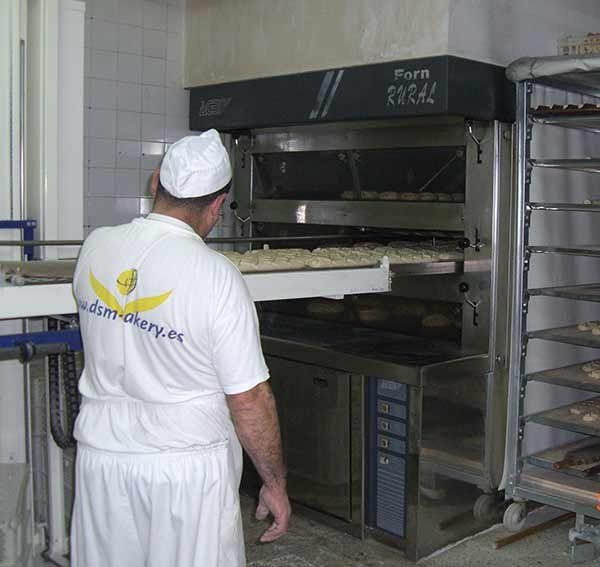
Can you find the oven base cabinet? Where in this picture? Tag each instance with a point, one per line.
(361, 456)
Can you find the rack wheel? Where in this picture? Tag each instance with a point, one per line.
(515, 516)
(486, 508)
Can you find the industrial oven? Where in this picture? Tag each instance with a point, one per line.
(392, 406)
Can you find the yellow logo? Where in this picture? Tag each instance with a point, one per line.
(126, 283)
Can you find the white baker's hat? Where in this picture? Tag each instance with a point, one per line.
(196, 166)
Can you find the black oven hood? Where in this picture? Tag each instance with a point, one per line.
(443, 85)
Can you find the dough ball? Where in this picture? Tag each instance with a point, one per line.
(595, 374)
(369, 195)
(388, 196)
(590, 417)
(427, 197)
(575, 411)
(596, 331)
(409, 196)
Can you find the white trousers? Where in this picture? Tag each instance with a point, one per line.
(156, 510)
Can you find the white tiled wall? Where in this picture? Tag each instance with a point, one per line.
(135, 104)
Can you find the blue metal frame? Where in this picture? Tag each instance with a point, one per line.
(70, 337)
(27, 226)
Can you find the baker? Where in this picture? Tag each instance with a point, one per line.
(174, 381)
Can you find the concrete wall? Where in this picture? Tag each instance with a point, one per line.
(229, 40)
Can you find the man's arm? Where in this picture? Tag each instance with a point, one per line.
(254, 415)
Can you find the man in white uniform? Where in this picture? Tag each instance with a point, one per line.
(174, 376)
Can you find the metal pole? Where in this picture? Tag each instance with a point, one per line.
(519, 279)
(226, 240)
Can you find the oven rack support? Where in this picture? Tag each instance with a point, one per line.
(527, 477)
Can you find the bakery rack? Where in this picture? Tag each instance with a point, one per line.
(537, 477)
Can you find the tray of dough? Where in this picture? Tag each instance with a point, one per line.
(584, 376)
(579, 458)
(580, 417)
(44, 299)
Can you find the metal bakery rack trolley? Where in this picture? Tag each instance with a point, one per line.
(563, 476)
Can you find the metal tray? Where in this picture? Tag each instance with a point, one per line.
(569, 376)
(589, 165)
(562, 418)
(547, 458)
(587, 292)
(568, 335)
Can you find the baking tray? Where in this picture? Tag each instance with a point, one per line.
(569, 376)
(547, 458)
(562, 418)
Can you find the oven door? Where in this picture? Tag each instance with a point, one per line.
(314, 406)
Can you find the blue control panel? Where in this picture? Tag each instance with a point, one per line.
(388, 416)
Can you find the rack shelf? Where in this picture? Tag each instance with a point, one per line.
(589, 165)
(564, 207)
(592, 251)
(570, 376)
(564, 418)
(569, 335)
(588, 120)
(588, 292)
(561, 490)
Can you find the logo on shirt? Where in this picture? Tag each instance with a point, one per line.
(108, 306)
(126, 283)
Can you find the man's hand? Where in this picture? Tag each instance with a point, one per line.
(255, 418)
(274, 500)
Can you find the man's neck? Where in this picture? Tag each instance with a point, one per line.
(195, 221)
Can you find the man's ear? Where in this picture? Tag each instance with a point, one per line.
(217, 204)
(154, 182)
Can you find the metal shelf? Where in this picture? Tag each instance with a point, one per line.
(563, 418)
(587, 292)
(589, 165)
(570, 376)
(564, 207)
(409, 215)
(546, 459)
(592, 251)
(568, 335)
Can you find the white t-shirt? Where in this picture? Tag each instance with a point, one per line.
(168, 328)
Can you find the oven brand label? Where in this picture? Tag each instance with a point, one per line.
(213, 106)
(411, 87)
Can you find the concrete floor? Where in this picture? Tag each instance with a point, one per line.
(309, 544)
